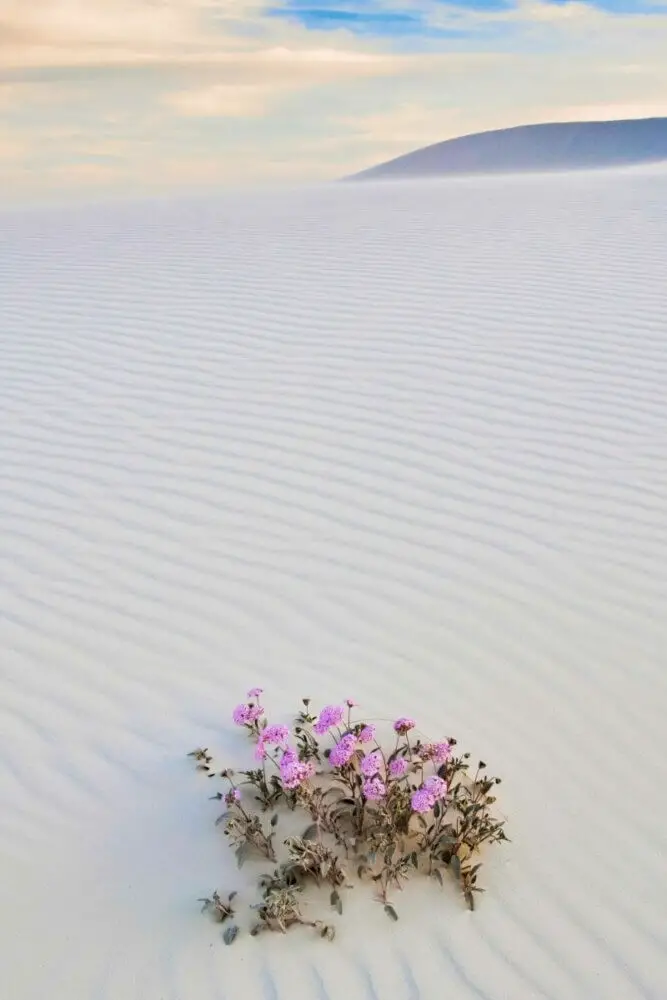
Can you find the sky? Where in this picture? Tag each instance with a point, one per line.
(136, 96)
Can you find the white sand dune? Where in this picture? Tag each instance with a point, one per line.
(404, 443)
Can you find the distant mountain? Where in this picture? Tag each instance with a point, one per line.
(552, 146)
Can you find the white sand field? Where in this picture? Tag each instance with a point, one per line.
(406, 444)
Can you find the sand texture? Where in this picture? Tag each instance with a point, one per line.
(404, 443)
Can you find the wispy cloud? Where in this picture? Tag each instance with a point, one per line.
(127, 94)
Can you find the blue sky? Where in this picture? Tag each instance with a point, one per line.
(131, 96)
(368, 17)
(400, 22)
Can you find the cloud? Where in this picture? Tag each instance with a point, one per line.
(282, 71)
(23, 95)
(116, 92)
(52, 33)
(414, 125)
(221, 100)
(11, 148)
(71, 32)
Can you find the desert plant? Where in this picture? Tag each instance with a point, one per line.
(388, 813)
(220, 912)
(280, 907)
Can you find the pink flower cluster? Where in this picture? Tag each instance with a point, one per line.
(374, 789)
(331, 715)
(425, 797)
(246, 714)
(404, 725)
(371, 764)
(293, 772)
(437, 752)
(343, 751)
(271, 736)
(398, 767)
(276, 735)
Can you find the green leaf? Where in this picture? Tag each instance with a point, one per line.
(336, 902)
(470, 899)
(241, 853)
(230, 934)
(437, 874)
(455, 865)
(390, 911)
(274, 819)
(310, 832)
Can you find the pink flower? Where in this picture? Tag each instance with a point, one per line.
(244, 715)
(371, 764)
(437, 752)
(272, 735)
(433, 789)
(404, 725)
(343, 751)
(278, 735)
(374, 789)
(255, 692)
(367, 734)
(398, 767)
(291, 778)
(422, 801)
(350, 703)
(294, 772)
(241, 715)
(331, 715)
(232, 796)
(436, 787)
